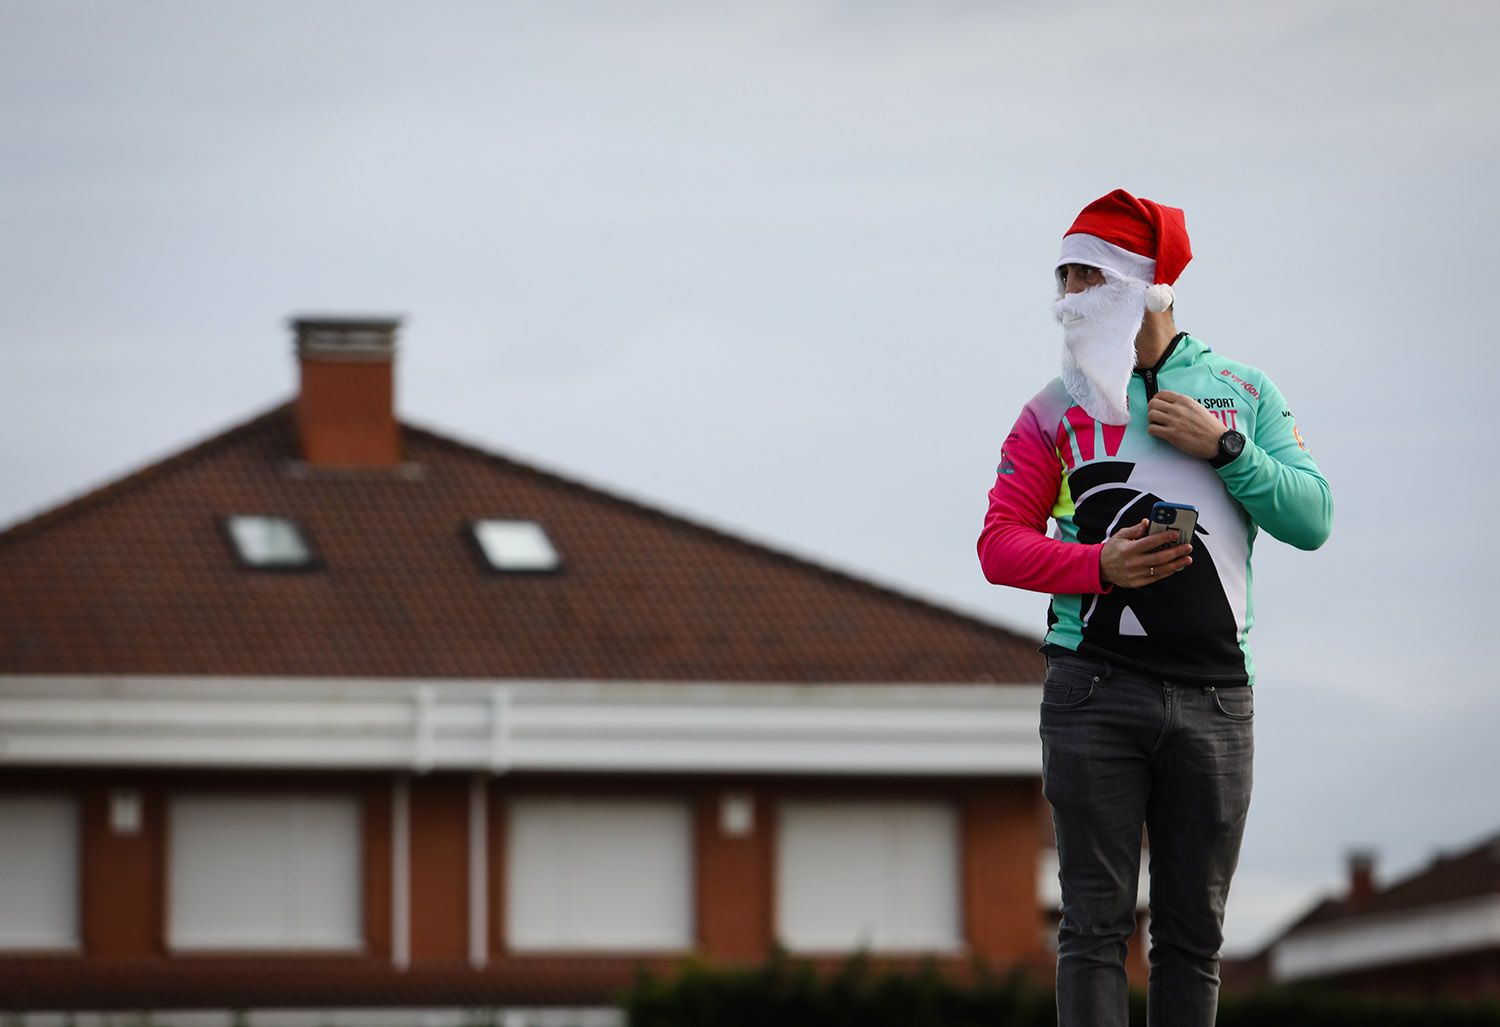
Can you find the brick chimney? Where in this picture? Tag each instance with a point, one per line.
(346, 413)
(1361, 876)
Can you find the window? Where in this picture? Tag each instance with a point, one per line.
(879, 874)
(599, 874)
(268, 543)
(515, 546)
(264, 872)
(38, 872)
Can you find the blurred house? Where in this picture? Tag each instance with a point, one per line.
(1432, 934)
(332, 711)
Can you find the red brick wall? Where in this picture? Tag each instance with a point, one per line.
(345, 413)
(376, 820)
(122, 894)
(439, 868)
(733, 891)
(999, 869)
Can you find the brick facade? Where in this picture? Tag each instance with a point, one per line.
(122, 887)
(439, 839)
(734, 890)
(125, 959)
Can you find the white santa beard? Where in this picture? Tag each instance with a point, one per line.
(1099, 329)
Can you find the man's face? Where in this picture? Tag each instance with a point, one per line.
(1100, 313)
(1078, 277)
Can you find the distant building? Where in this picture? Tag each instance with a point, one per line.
(1435, 933)
(332, 711)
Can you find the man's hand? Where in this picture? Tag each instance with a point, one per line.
(1131, 559)
(1183, 421)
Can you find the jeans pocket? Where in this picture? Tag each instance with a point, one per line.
(1070, 682)
(1235, 703)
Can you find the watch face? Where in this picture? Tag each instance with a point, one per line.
(1231, 442)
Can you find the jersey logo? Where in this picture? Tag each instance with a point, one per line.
(1006, 465)
(1246, 385)
(1087, 434)
(1126, 620)
(1297, 434)
(1222, 408)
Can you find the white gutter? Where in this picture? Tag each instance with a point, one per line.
(497, 726)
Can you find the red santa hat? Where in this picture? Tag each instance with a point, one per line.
(1133, 237)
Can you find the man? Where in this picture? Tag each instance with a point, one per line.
(1147, 706)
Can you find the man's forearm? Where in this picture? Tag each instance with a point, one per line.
(1292, 503)
(1020, 556)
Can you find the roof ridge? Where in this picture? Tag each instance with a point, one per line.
(1336, 908)
(129, 481)
(1443, 859)
(764, 549)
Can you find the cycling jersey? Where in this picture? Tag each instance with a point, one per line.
(1093, 479)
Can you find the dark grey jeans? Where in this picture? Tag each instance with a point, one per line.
(1122, 750)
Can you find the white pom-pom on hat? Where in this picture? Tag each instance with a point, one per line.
(1158, 297)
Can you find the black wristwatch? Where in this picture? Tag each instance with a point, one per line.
(1231, 445)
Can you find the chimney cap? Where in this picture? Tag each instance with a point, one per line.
(331, 335)
(346, 321)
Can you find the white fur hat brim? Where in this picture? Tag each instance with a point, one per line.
(1082, 248)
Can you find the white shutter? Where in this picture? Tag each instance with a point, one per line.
(264, 872)
(38, 872)
(882, 875)
(599, 874)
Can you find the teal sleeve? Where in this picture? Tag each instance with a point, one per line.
(1276, 480)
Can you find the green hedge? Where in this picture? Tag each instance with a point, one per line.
(787, 993)
(784, 992)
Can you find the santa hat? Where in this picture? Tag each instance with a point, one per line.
(1132, 237)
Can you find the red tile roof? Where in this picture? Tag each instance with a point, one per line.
(1470, 874)
(138, 577)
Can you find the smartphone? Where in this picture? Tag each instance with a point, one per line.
(1174, 517)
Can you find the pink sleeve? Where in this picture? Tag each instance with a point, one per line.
(1013, 547)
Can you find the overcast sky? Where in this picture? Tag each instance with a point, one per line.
(786, 268)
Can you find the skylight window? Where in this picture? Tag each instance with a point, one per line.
(516, 546)
(268, 543)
